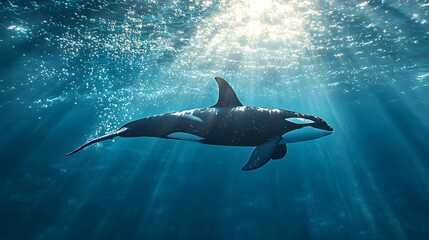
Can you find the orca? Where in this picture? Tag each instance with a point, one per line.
(229, 123)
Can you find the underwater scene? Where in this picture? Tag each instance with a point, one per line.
(74, 70)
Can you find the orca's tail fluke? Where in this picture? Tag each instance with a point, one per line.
(110, 135)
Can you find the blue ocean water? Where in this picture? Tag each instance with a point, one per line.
(73, 70)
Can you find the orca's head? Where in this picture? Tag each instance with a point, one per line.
(306, 127)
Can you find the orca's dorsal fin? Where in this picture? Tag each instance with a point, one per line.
(227, 96)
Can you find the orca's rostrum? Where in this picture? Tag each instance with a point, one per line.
(229, 123)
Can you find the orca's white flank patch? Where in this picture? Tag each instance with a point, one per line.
(304, 134)
(299, 120)
(185, 136)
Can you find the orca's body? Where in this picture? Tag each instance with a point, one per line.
(229, 123)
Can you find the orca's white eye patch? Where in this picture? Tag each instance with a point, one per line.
(299, 120)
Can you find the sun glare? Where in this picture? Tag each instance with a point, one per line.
(251, 34)
(260, 5)
(265, 20)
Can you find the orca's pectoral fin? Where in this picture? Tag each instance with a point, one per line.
(262, 154)
(280, 152)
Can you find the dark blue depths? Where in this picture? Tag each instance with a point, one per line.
(71, 70)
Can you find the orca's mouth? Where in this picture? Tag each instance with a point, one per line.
(326, 128)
